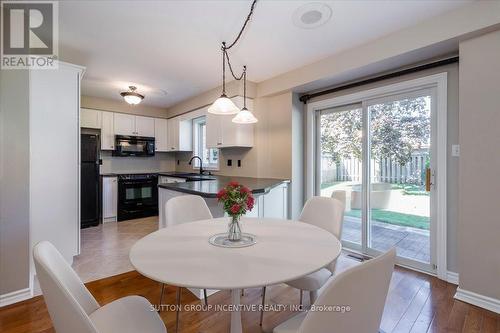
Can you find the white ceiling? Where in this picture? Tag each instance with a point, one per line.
(171, 49)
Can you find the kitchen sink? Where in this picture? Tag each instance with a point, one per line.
(194, 177)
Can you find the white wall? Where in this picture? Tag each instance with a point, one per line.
(479, 182)
(159, 162)
(14, 181)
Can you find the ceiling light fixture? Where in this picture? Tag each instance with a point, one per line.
(223, 105)
(132, 97)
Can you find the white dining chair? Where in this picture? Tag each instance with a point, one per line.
(328, 214)
(362, 288)
(73, 309)
(183, 209)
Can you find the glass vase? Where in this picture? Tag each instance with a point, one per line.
(234, 232)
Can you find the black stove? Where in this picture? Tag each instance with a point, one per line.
(137, 196)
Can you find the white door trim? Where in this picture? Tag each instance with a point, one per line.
(437, 81)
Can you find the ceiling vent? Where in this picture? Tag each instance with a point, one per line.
(312, 15)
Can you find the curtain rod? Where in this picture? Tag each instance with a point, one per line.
(306, 97)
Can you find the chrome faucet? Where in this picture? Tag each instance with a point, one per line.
(201, 163)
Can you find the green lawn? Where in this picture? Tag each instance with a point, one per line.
(405, 220)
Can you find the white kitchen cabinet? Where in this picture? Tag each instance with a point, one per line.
(275, 203)
(180, 134)
(90, 118)
(222, 132)
(214, 130)
(124, 124)
(107, 131)
(144, 126)
(109, 199)
(161, 134)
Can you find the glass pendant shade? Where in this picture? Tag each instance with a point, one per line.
(245, 117)
(223, 106)
(131, 99)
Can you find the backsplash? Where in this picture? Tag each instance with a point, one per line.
(157, 163)
(245, 155)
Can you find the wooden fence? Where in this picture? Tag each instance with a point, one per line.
(385, 170)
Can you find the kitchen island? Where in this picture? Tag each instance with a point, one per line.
(271, 195)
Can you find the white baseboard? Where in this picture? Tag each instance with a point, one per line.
(482, 301)
(15, 296)
(452, 277)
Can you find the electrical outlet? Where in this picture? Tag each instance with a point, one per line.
(239, 163)
(455, 150)
(229, 162)
(178, 162)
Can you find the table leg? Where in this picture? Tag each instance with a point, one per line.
(236, 314)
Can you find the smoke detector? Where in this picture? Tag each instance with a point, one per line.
(311, 15)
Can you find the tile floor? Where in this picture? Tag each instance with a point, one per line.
(105, 248)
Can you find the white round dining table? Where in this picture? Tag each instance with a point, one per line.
(182, 256)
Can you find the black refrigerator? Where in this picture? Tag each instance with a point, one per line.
(89, 181)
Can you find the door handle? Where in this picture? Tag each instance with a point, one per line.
(428, 177)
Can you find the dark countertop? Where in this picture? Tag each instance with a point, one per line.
(209, 188)
(114, 174)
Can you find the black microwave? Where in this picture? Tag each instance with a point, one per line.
(134, 146)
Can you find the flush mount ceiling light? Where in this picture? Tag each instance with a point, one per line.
(132, 97)
(312, 15)
(223, 105)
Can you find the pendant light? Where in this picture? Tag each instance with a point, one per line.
(132, 97)
(223, 105)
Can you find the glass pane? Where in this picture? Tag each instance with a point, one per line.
(132, 148)
(341, 164)
(400, 141)
(146, 192)
(137, 193)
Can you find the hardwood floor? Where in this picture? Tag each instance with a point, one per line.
(416, 303)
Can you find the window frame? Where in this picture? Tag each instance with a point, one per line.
(439, 83)
(198, 147)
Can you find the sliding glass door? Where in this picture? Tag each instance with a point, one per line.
(376, 156)
(340, 167)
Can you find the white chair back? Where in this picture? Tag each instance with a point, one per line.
(326, 213)
(68, 300)
(186, 208)
(364, 289)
